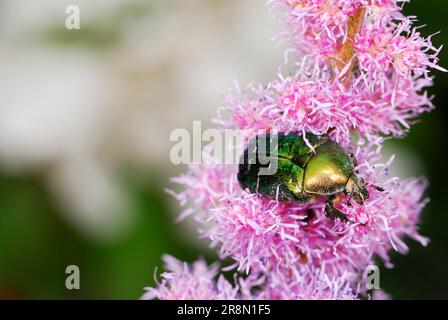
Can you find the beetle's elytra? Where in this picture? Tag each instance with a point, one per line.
(302, 173)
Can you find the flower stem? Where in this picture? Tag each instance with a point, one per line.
(347, 50)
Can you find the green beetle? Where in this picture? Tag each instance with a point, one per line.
(301, 173)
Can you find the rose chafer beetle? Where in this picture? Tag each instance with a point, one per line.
(302, 173)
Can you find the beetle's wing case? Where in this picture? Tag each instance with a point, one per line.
(295, 148)
(328, 171)
(286, 184)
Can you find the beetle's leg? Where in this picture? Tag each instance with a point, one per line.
(332, 212)
(355, 162)
(349, 199)
(330, 130)
(309, 215)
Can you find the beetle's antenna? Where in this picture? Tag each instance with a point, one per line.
(380, 189)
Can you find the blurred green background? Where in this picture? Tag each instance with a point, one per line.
(85, 117)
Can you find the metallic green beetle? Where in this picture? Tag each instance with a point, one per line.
(302, 174)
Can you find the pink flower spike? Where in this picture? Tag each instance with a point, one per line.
(362, 69)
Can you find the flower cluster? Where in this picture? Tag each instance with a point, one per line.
(320, 26)
(300, 103)
(363, 72)
(196, 282)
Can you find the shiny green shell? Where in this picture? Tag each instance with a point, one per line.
(301, 172)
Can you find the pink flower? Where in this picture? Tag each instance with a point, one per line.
(292, 250)
(390, 52)
(319, 26)
(261, 234)
(311, 285)
(301, 103)
(363, 73)
(198, 281)
(191, 282)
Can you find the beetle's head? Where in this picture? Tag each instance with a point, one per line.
(356, 188)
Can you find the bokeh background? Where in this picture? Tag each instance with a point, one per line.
(85, 118)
